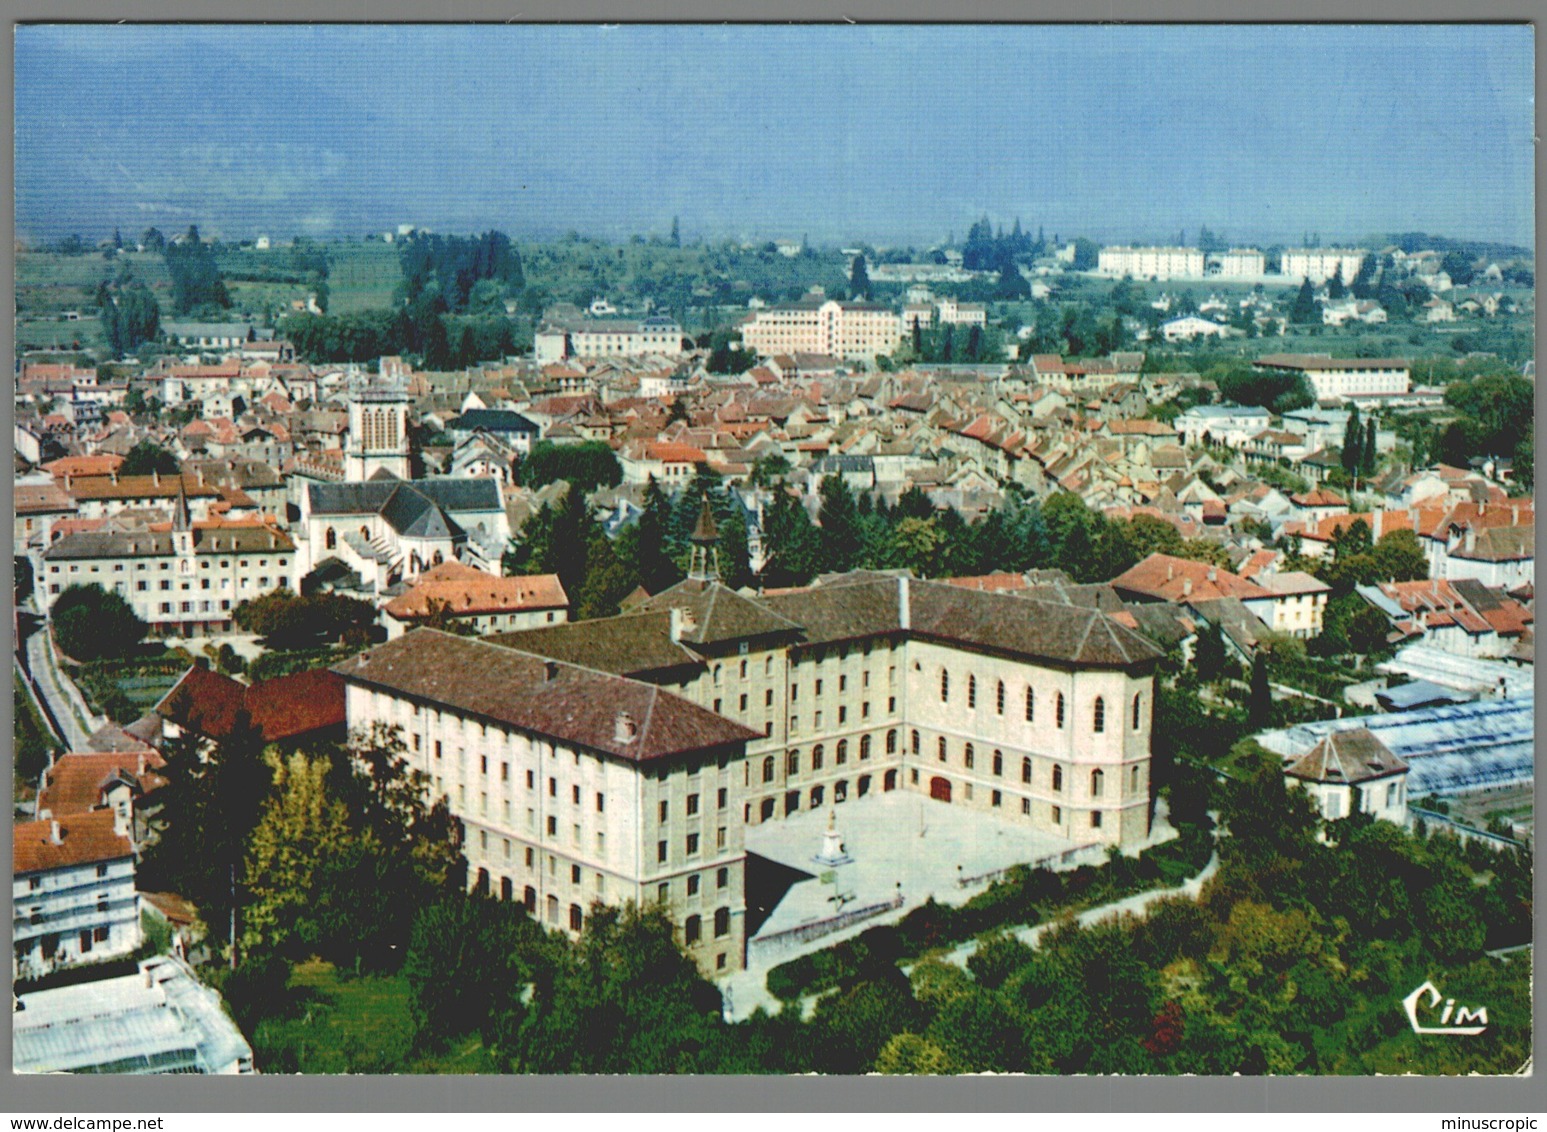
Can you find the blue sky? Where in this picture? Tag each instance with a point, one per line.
(887, 134)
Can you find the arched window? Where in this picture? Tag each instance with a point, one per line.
(841, 791)
(972, 691)
(816, 797)
(999, 699)
(1031, 703)
(842, 755)
(365, 533)
(1026, 770)
(692, 930)
(1058, 778)
(768, 769)
(941, 747)
(330, 538)
(968, 756)
(576, 918)
(722, 922)
(816, 757)
(792, 763)
(743, 669)
(864, 747)
(891, 741)
(1097, 781)
(507, 888)
(1136, 698)
(998, 764)
(1058, 711)
(1099, 715)
(945, 686)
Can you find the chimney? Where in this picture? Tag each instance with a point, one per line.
(1514, 514)
(904, 606)
(1377, 521)
(1186, 587)
(141, 772)
(624, 728)
(1471, 539)
(55, 837)
(155, 477)
(1213, 574)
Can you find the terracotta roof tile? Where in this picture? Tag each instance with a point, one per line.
(84, 839)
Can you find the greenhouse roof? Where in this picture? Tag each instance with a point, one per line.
(1450, 748)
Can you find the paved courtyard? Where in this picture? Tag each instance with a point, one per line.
(902, 845)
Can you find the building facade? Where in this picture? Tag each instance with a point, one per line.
(1320, 264)
(378, 429)
(1151, 262)
(1034, 713)
(72, 892)
(1336, 379)
(1242, 263)
(853, 331)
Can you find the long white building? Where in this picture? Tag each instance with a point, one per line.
(853, 331)
(72, 891)
(1151, 262)
(1320, 264)
(623, 759)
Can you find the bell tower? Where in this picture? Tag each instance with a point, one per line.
(704, 566)
(378, 428)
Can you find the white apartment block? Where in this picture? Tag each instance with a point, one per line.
(1334, 379)
(1034, 714)
(1320, 264)
(607, 338)
(853, 331)
(1151, 263)
(1242, 263)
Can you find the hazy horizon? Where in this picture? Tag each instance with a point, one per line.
(886, 135)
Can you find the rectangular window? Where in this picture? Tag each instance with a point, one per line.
(692, 804)
(665, 810)
(720, 798)
(553, 826)
(692, 844)
(719, 838)
(660, 852)
(601, 804)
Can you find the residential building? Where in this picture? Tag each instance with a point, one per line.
(484, 602)
(1352, 772)
(72, 891)
(856, 331)
(1151, 262)
(304, 707)
(1334, 379)
(1320, 264)
(1230, 425)
(1242, 263)
(1190, 326)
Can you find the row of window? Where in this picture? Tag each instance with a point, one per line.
(1098, 708)
(969, 762)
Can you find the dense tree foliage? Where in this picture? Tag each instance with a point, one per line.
(148, 457)
(291, 620)
(585, 467)
(454, 265)
(130, 316)
(91, 623)
(196, 282)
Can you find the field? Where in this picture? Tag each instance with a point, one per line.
(353, 1025)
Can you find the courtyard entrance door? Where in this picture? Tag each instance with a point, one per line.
(940, 789)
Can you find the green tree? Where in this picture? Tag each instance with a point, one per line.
(1209, 653)
(1304, 311)
(859, 278)
(91, 623)
(146, 457)
(1260, 700)
(1399, 558)
(839, 519)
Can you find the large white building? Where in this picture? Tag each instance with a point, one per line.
(607, 338)
(378, 428)
(1151, 263)
(185, 581)
(72, 891)
(854, 331)
(1242, 263)
(622, 759)
(1320, 264)
(1336, 379)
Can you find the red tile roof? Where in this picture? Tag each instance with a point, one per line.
(84, 839)
(73, 785)
(285, 707)
(466, 590)
(1167, 578)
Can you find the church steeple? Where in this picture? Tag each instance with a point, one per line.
(704, 566)
(182, 521)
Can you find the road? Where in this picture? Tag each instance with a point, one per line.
(64, 699)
